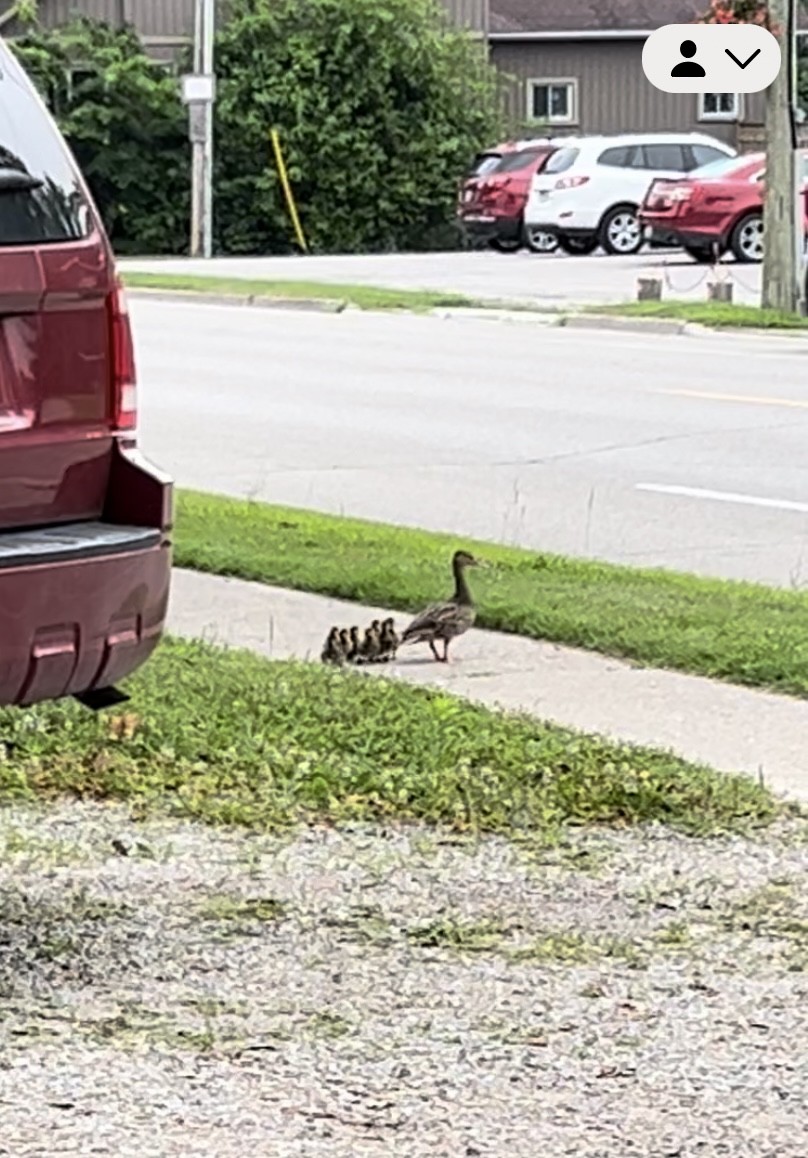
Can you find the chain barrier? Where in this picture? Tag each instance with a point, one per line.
(666, 278)
(718, 270)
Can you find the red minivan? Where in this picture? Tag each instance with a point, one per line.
(85, 553)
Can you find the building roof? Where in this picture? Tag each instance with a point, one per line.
(523, 17)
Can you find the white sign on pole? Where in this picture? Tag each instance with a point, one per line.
(197, 88)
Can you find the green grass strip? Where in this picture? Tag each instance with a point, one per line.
(740, 632)
(227, 737)
(716, 314)
(363, 296)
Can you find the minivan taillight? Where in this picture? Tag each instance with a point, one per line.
(122, 359)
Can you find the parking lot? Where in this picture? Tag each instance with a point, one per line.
(555, 281)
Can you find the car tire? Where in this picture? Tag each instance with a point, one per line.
(620, 231)
(538, 240)
(746, 240)
(506, 245)
(578, 246)
(705, 254)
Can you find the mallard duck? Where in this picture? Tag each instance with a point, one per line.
(332, 648)
(355, 645)
(446, 620)
(388, 640)
(369, 650)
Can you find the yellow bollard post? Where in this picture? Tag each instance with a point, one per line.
(287, 189)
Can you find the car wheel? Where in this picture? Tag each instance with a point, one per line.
(746, 242)
(621, 232)
(506, 245)
(538, 241)
(580, 246)
(703, 253)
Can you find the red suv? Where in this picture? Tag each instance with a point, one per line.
(493, 199)
(716, 208)
(85, 555)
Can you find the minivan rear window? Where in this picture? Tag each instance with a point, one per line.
(561, 160)
(720, 168)
(41, 200)
(513, 161)
(484, 163)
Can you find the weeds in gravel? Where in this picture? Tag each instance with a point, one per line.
(326, 1024)
(230, 738)
(17, 845)
(575, 948)
(462, 936)
(243, 911)
(741, 632)
(55, 938)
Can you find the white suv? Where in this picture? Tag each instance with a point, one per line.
(589, 191)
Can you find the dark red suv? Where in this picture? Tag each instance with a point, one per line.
(85, 554)
(492, 201)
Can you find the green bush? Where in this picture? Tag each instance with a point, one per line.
(380, 106)
(124, 120)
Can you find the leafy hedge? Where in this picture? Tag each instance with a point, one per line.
(124, 120)
(380, 105)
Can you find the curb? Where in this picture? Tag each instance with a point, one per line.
(312, 305)
(632, 325)
(495, 314)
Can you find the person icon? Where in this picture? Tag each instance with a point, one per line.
(688, 67)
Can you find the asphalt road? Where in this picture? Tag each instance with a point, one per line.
(680, 451)
(554, 281)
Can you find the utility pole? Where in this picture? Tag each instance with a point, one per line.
(782, 253)
(198, 92)
(209, 19)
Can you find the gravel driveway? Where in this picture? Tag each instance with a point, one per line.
(167, 989)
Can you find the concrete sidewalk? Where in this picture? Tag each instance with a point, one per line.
(730, 728)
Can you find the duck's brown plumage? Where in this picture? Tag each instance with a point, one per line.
(453, 617)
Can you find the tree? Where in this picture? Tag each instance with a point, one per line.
(123, 118)
(380, 105)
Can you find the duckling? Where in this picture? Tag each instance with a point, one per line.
(344, 643)
(355, 645)
(388, 640)
(332, 648)
(369, 651)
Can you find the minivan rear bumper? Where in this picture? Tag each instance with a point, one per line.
(83, 605)
(76, 621)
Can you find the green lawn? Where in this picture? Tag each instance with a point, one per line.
(715, 314)
(739, 632)
(229, 738)
(363, 296)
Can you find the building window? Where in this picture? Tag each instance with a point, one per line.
(719, 106)
(552, 101)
